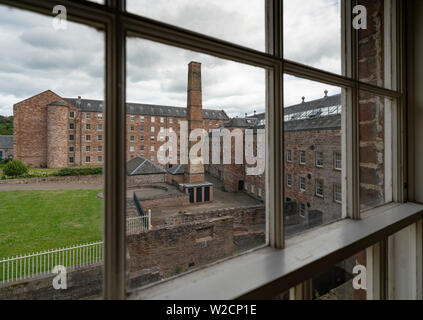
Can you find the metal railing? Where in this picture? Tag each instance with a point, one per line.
(136, 225)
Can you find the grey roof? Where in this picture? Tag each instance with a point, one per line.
(141, 166)
(325, 102)
(57, 103)
(242, 123)
(87, 105)
(321, 123)
(177, 170)
(6, 142)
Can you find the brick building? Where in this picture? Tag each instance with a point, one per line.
(55, 132)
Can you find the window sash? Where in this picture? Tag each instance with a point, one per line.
(115, 32)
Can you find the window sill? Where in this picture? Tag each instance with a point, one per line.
(264, 273)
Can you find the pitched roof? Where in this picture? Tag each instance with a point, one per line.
(141, 166)
(177, 170)
(320, 123)
(87, 105)
(6, 142)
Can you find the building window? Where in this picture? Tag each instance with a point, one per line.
(71, 149)
(88, 126)
(100, 159)
(88, 159)
(170, 120)
(142, 148)
(71, 160)
(88, 148)
(100, 148)
(152, 158)
(142, 128)
(132, 128)
(161, 120)
(152, 148)
(88, 137)
(302, 157)
(99, 116)
(302, 210)
(71, 137)
(153, 138)
(161, 129)
(153, 119)
(142, 118)
(100, 138)
(289, 180)
(337, 160)
(303, 184)
(153, 129)
(288, 156)
(319, 188)
(100, 127)
(253, 189)
(245, 186)
(318, 159)
(259, 192)
(71, 126)
(88, 115)
(179, 121)
(210, 122)
(142, 138)
(132, 149)
(71, 115)
(132, 138)
(337, 193)
(132, 118)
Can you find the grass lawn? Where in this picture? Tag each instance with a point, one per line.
(33, 221)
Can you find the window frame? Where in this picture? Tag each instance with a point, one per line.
(316, 159)
(117, 24)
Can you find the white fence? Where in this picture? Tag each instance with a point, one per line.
(136, 225)
(24, 267)
(29, 266)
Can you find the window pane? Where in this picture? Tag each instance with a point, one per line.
(376, 44)
(51, 214)
(187, 210)
(312, 33)
(235, 20)
(313, 143)
(337, 283)
(375, 150)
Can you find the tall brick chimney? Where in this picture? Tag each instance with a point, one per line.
(194, 173)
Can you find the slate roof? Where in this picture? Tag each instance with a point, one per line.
(87, 105)
(6, 142)
(320, 123)
(141, 166)
(242, 123)
(177, 170)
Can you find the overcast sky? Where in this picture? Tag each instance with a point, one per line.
(34, 57)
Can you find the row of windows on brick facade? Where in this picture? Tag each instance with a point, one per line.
(142, 118)
(87, 159)
(87, 137)
(318, 187)
(251, 188)
(318, 158)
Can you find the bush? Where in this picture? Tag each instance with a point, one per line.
(15, 168)
(66, 172)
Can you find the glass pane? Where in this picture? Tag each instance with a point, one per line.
(376, 43)
(344, 281)
(51, 206)
(187, 207)
(375, 150)
(314, 190)
(312, 33)
(236, 21)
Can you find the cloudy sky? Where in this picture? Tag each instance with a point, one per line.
(35, 57)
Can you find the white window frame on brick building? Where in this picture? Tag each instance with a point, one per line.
(259, 192)
(71, 114)
(142, 118)
(88, 159)
(100, 148)
(100, 137)
(302, 156)
(88, 115)
(162, 119)
(319, 159)
(289, 156)
(100, 159)
(71, 160)
(253, 189)
(302, 184)
(99, 116)
(289, 180)
(132, 118)
(88, 138)
(117, 23)
(302, 210)
(71, 149)
(337, 193)
(71, 137)
(153, 129)
(87, 126)
(153, 119)
(131, 149)
(100, 127)
(319, 188)
(71, 126)
(87, 148)
(337, 160)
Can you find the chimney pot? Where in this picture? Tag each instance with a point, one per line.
(326, 93)
(303, 98)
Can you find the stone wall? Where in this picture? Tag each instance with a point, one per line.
(134, 181)
(92, 179)
(176, 249)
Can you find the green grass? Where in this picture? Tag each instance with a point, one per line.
(33, 221)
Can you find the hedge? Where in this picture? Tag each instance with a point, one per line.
(66, 172)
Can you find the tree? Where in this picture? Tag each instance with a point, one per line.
(15, 168)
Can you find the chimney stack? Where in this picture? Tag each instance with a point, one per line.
(326, 93)
(194, 173)
(303, 98)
